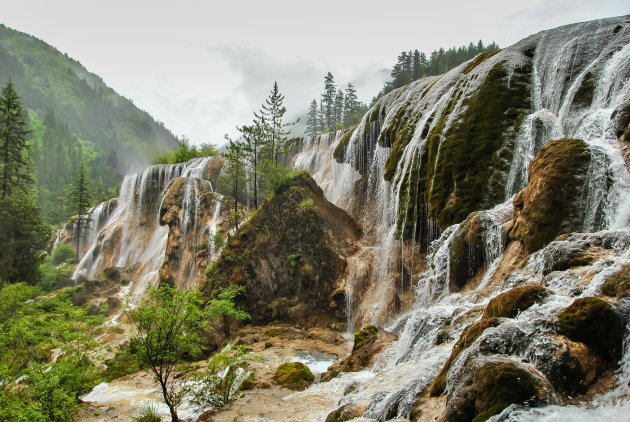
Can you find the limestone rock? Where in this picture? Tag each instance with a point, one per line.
(594, 322)
(549, 206)
(510, 303)
(488, 385)
(346, 412)
(618, 284)
(291, 257)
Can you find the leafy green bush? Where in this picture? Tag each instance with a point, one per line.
(63, 253)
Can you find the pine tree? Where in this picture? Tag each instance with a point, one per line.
(81, 198)
(275, 130)
(351, 106)
(339, 104)
(328, 101)
(253, 146)
(321, 122)
(235, 172)
(14, 162)
(311, 120)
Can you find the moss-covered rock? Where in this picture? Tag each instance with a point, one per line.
(594, 322)
(487, 386)
(514, 301)
(468, 336)
(340, 150)
(618, 284)
(467, 255)
(368, 342)
(289, 257)
(346, 412)
(294, 376)
(549, 206)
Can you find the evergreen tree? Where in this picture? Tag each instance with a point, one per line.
(14, 157)
(81, 198)
(312, 125)
(321, 125)
(253, 146)
(235, 172)
(351, 106)
(271, 115)
(328, 101)
(339, 105)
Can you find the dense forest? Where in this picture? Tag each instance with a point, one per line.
(73, 116)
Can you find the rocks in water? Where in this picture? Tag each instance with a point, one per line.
(487, 385)
(291, 257)
(368, 342)
(466, 252)
(346, 412)
(594, 322)
(514, 301)
(570, 366)
(294, 376)
(618, 284)
(549, 205)
(468, 336)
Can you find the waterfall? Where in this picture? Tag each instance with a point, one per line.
(575, 77)
(127, 232)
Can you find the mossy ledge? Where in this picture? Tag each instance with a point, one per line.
(339, 153)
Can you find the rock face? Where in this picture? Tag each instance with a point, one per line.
(549, 206)
(488, 385)
(618, 284)
(290, 257)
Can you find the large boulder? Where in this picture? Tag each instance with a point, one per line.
(291, 258)
(487, 385)
(294, 376)
(596, 323)
(514, 301)
(618, 284)
(550, 204)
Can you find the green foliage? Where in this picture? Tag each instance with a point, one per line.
(275, 177)
(223, 376)
(307, 205)
(147, 413)
(186, 152)
(169, 323)
(24, 237)
(337, 111)
(63, 253)
(80, 200)
(127, 361)
(294, 375)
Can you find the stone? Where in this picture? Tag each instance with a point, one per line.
(514, 301)
(294, 376)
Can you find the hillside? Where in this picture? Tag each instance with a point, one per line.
(74, 115)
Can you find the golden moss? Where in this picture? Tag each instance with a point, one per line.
(478, 60)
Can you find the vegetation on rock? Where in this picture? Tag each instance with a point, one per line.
(294, 375)
(514, 301)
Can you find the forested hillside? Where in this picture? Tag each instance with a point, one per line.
(75, 117)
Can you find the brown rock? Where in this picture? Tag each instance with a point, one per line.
(514, 301)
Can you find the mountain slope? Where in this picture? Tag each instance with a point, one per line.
(47, 79)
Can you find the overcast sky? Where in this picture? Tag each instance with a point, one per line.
(203, 67)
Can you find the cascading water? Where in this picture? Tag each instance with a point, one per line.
(132, 235)
(578, 76)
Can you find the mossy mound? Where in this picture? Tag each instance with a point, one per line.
(514, 301)
(294, 376)
(488, 386)
(618, 284)
(594, 322)
(290, 257)
(468, 336)
(340, 150)
(346, 412)
(549, 206)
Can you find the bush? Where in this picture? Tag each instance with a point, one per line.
(147, 413)
(63, 253)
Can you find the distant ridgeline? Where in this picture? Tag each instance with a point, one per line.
(74, 116)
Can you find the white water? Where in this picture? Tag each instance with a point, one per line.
(561, 61)
(131, 236)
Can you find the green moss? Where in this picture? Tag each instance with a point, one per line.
(398, 135)
(340, 149)
(294, 375)
(594, 322)
(478, 60)
(618, 284)
(426, 91)
(514, 301)
(363, 335)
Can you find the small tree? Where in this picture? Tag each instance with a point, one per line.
(312, 121)
(169, 324)
(81, 199)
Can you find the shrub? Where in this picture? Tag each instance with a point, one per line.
(63, 253)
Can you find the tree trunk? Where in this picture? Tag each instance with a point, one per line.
(171, 409)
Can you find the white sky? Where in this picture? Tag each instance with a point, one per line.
(203, 67)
